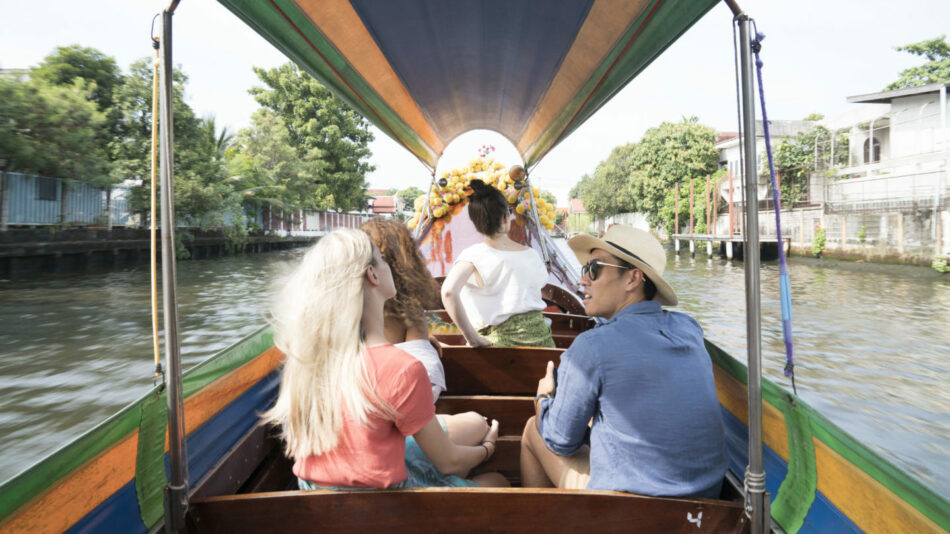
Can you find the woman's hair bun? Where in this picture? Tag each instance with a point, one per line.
(478, 186)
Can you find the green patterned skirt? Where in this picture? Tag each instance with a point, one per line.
(527, 329)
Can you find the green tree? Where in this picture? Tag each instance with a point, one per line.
(936, 69)
(202, 196)
(668, 154)
(606, 192)
(578, 190)
(796, 158)
(51, 130)
(640, 177)
(264, 166)
(67, 63)
(320, 126)
(409, 195)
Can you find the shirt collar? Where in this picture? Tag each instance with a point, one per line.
(642, 307)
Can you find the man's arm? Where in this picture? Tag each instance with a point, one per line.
(563, 420)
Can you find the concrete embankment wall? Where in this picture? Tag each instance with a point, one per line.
(28, 252)
(906, 236)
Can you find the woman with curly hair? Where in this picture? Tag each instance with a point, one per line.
(348, 398)
(405, 323)
(416, 290)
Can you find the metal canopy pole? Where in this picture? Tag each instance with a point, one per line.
(537, 221)
(176, 501)
(756, 499)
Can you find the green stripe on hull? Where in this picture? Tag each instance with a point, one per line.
(29, 484)
(904, 486)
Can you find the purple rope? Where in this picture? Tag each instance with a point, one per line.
(786, 297)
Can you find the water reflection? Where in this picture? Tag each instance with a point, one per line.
(76, 348)
(871, 345)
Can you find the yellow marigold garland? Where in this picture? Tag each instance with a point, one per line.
(451, 199)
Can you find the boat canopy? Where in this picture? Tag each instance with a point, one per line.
(426, 71)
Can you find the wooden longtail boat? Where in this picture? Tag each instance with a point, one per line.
(192, 456)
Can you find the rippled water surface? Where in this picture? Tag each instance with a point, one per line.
(872, 345)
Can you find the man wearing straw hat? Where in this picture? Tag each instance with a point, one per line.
(633, 407)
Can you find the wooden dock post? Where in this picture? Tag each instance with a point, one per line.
(676, 216)
(732, 217)
(690, 206)
(708, 226)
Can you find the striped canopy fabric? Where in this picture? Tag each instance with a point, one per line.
(426, 71)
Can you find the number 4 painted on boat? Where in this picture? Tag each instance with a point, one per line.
(698, 520)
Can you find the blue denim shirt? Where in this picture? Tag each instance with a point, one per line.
(645, 378)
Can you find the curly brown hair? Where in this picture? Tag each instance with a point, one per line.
(416, 289)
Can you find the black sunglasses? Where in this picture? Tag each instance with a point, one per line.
(592, 269)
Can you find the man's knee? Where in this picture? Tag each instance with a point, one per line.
(530, 435)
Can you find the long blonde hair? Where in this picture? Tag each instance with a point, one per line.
(317, 319)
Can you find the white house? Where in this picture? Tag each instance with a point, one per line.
(728, 145)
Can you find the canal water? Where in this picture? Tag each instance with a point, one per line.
(872, 344)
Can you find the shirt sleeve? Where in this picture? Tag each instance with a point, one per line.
(415, 406)
(564, 419)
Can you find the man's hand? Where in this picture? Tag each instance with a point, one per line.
(546, 385)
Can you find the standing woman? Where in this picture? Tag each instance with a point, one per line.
(348, 398)
(493, 292)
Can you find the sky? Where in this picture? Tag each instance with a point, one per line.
(816, 53)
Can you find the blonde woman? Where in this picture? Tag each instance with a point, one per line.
(348, 398)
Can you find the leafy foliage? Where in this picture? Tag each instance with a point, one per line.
(80, 117)
(639, 177)
(936, 69)
(321, 127)
(409, 195)
(66, 64)
(818, 242)
(201, 194)
(51, 130)
(796, 158)
(265, 167)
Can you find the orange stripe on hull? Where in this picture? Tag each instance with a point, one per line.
(92, 483)
(733, 395)
(80, 493)
(866, 502)
(206, 402)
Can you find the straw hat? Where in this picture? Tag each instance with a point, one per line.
(636, 247)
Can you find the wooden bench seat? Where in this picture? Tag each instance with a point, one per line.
(496, 370)
(448, 510)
